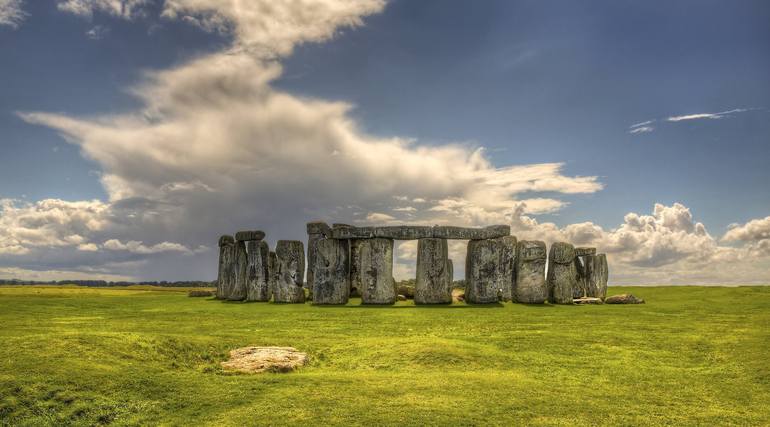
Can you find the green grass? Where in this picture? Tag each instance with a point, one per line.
(84, 356)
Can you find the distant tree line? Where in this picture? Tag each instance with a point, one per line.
(107, 284)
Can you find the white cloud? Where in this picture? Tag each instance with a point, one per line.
(641, 129)
(705, 115)
(8, 273)
(88, 247)
(377, 217)
(138, 247)
(97, 32)
(11, 13)
(126, 9)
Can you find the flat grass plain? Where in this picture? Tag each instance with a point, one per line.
(149, 356)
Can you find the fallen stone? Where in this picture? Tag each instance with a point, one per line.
(530, 286)
(562, 273)
(332, 280)
(403, 232)
(406, 290)
(433, 283)
(401, 297)
(290, 272)
(375, 271)
(250, 235)
(252, 360)
(226, 272)
(258, 275)
(596, 275)
(587, 300)
(623, 299)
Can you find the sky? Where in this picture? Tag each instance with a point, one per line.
(134, 132)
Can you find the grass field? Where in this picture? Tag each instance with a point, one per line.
(83, 356)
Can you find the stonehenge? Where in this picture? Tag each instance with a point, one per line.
(345, 261)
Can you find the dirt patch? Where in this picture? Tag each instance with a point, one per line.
(260, 359)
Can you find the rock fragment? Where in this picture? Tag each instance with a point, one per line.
(623, 299)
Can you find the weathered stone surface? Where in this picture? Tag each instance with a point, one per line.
(254, 360)
(355, 264)
(375, 271)
(290, 271)
(258, 276)
(315, 231)
(585, 251)
(433, 283)
(272, 270)
(344, 231)
(450, 266)
(238, 291)
(596, 275)
(226, 272)
(481, 271)
(250, 235)
(406, 290)
(332, 277)
(403, 232)
(623, 299)
(530, 286)
(450, 232)
(579, 291)
(562, 273)
(507, 268)
(319, 227)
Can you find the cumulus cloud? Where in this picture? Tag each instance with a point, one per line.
(11, 13)
(215, 148)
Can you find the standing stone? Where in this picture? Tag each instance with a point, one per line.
(272, 271)
(529, 286)
(450, 271)
(290, 271)
(581, 259)
(241, 264)
(226, 273)
(332, 277)
(355, 265)
(507, 267)
(433, 284)
(315, 231)
(596, 275)
(375, 271)
(562, 273)
(481, 265)
(258, 278)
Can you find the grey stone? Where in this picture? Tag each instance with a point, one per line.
(250, 235)
(530, 286)
(582, 251)
(562, 273)
(507, 269)
(403, 232)
(406, 290)
(226, 272)
(596, 275)
(332, 277)
(481, 262)
(375, 271)
(433, 284)
(587, 301)
(272, 270)
(401, 297)
(467, 233)
(623, 299)
(258, 276)
(290, 272)
(450, 270)
(319, 227)
(355, 264)
(344, 231)
(241, 265)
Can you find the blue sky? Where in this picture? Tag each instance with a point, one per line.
(533, 83)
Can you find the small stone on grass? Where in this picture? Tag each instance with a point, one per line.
(254, 360)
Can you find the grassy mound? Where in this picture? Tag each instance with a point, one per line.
(87, 356)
